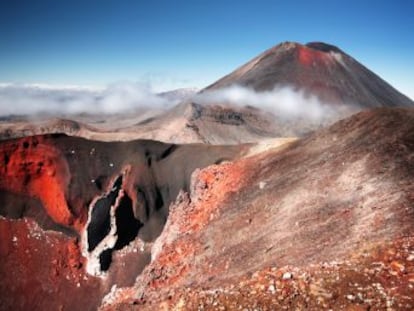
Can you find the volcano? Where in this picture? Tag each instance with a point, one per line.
(319, 69)
(341, 84)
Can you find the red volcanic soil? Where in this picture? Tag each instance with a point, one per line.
(325, 223)
(43, 270)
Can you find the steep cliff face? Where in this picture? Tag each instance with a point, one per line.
(325, 222)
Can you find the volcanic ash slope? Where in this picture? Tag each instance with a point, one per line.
(325, 223)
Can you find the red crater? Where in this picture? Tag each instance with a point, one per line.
(32, 166)
(309, 57)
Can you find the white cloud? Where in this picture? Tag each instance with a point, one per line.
(282, 101)
(123, 97)
(32, 99)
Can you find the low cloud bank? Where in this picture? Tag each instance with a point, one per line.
(285, 102)
(40, 99)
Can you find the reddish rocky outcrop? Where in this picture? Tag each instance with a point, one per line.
(39, 170)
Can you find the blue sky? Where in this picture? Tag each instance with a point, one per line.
(171, 44)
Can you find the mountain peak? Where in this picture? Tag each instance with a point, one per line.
(323, 47)
(316, 68)
(314, 45)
